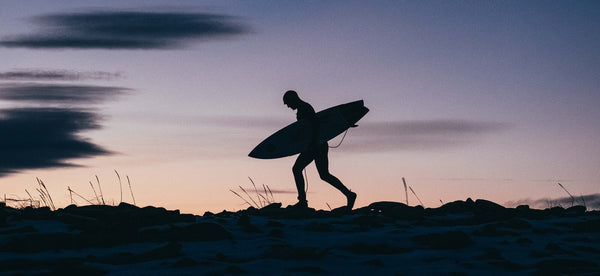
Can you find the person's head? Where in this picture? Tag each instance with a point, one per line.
(291, 99)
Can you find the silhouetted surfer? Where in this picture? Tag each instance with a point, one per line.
(315, 151)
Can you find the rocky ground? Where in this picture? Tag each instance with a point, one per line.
(389, 238)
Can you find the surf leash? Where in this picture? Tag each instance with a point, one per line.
(341, 141)
(305, 181)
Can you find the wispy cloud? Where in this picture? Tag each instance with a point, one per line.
(54, 93)
(33, 138)
(125, 30)
(56, 75)
(244, 122)
(419, 135)
(385, 136)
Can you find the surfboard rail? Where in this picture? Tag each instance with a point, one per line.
(294, 138)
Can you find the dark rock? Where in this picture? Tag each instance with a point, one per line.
(234, 269)
(220, 257)
(308, 269)
(185, 262)
(517, 224)
(492, 253)
(397, 210)
(41, 213)
(488, 206)
(486, 210)
(319, 227)
(74, 266)
(41, 242)
(369, 221)
(244, 220)
(274, 223)
(447, 240)
(507, 265)
(61, 266)
(375, 262)
(276, 233)
(556, 211)
(205, 231)
(587, 249)
(104, 218)
(575, 210)
(456, 207)
(493, 230)
(287, 252)
(247, 226)
(170, 250)
(566, 267)
(592, 226)
(18, 230)
(370, 249)
(272, 206)
(167, 251)
(524, 241)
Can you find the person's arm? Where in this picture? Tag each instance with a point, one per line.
(314, 127)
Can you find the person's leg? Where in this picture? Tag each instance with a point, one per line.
(322, 163)
(301, 162)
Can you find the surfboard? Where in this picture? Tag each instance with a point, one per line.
(295, 137)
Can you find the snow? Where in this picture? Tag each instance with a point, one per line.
(358, 243)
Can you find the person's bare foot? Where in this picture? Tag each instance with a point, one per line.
(351, 199)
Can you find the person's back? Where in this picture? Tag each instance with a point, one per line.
(305, 111)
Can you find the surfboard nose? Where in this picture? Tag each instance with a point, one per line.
(354, 111)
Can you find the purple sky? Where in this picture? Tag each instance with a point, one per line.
(482, 99)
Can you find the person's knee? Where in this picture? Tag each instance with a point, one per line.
(326, 176)
(297, 170)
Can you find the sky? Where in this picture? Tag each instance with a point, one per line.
(497, 100)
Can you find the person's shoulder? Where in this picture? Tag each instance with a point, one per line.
(306, 107)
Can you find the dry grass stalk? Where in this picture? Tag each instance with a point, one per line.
(246, 201)
(256, 205)
(413, 191)
(405, 190)
(120, 185)
(130, 190)
(572, 198)
(73, 192)
(95, 194)
(100, 188)
(45, 195)
(257, 193)
(263, 199)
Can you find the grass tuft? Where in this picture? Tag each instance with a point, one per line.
(262, 199)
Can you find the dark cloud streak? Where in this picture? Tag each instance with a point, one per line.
(54, 93)
(125, 30)
(33, 138)
(56, 75)
(49, 137)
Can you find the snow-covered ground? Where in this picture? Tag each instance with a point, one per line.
(384, 238)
